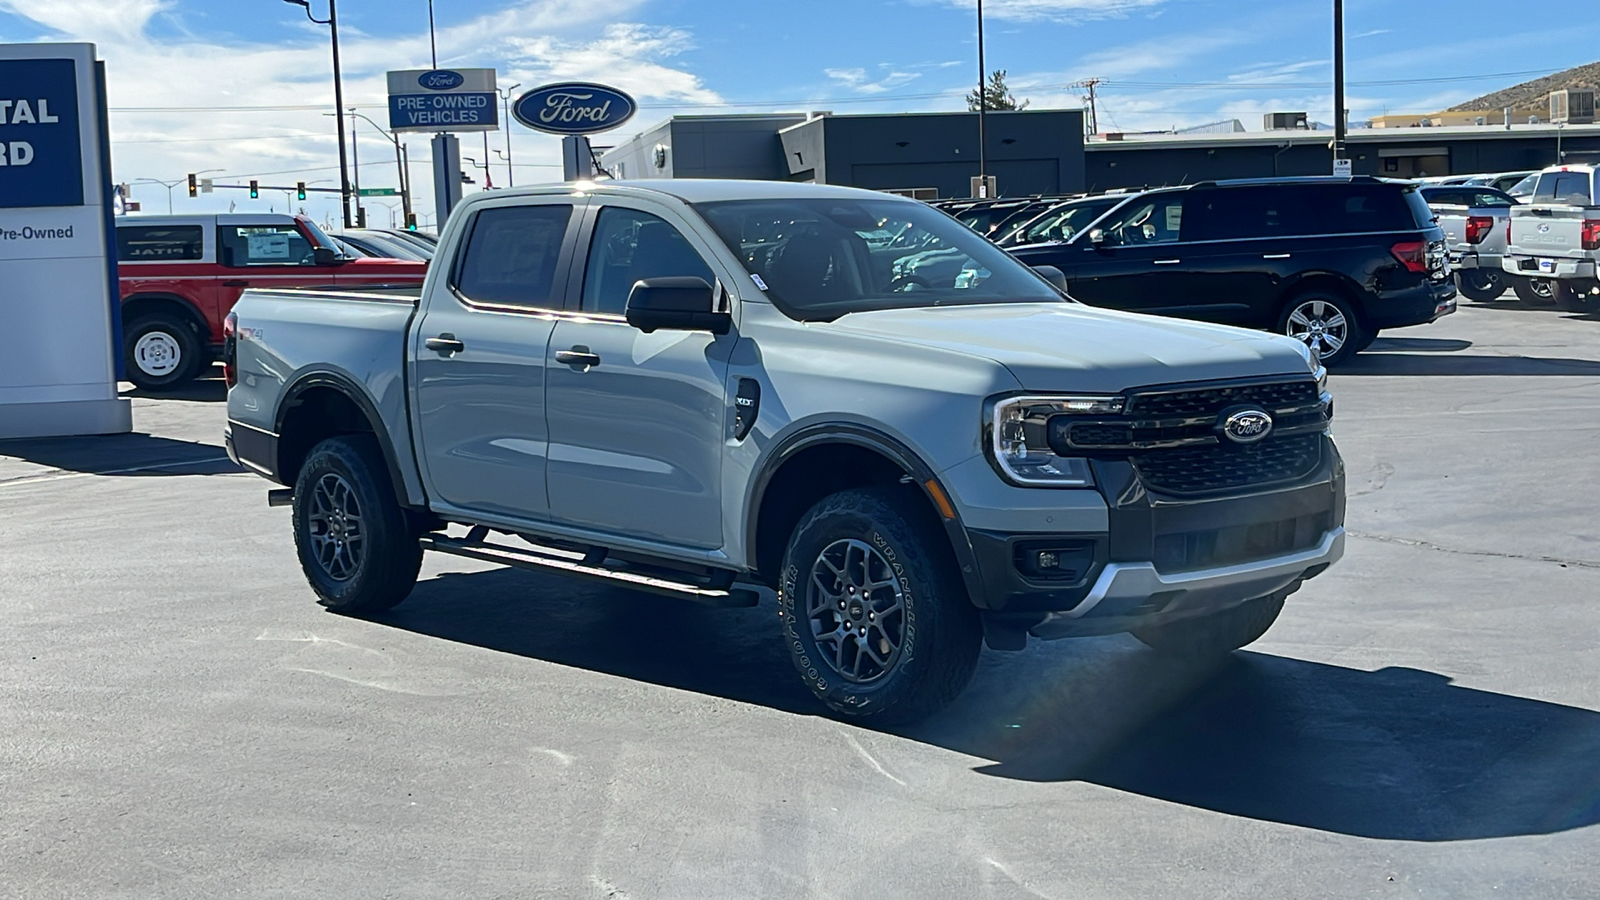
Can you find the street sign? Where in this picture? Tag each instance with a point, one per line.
(442, 100)
(378, 192)
(207, 186)
(1341, 168)
(574, 107)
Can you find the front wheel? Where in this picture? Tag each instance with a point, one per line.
(355, 544)
(1534, 292)
(1481, 285)
(875, 616)
(1218, 633)
(1327, 324)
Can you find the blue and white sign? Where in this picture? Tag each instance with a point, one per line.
(41, 156)
(574, 108)
(443, 100)
(60, 308)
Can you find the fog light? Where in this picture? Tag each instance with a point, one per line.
(1046, 560)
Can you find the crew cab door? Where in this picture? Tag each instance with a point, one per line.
(479, 350)
(637, 421)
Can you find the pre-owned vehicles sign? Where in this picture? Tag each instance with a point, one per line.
(443, 100)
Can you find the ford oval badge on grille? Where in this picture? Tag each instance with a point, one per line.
(1246, 426)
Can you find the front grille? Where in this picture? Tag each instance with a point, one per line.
(1182, 404)
(1234, 544)
(1220, 467)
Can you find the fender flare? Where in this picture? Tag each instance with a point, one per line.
(344, 384)
(892, 449)
(188, 307)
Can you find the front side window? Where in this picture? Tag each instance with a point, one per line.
(1156, 219)
(159, 243)
(1062, 224)
(512, 254)
(264, 245)
(630, 246)
(821, 258)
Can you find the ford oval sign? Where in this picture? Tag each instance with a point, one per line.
(573, 108)
(1246, 426)
(440, 80)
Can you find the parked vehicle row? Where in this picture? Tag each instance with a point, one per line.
(1474, 219)
(1554, 240)
(713, 390)
(180, 275)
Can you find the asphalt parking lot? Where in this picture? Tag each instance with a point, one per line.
(180, 719)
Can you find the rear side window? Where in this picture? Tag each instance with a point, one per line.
(264, 245)
(1237, 213)
(511, 256)
(1563, 187)
(1357, 209)
(152, 243)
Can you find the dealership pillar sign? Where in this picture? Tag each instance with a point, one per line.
(59, 305)
(443, 100)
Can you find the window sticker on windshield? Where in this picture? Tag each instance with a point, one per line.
(1174, 218)
(273, 245)
(757, 279)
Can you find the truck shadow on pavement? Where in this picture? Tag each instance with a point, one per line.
(118, 454)
(1378, 362)
(1395, 754)
(207, 388)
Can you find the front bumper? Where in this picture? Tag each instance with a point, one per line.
(1548, 267)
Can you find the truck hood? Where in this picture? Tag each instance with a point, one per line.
(1072, 347)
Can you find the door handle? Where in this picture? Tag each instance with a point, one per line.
(236, 283)
(1168, 262)
(445, 344)
(1275, 255)
(578, 356)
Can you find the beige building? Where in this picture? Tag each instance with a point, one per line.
(1462, 117)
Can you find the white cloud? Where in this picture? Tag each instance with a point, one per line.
(858, 80)
(1056, 10)
(165, 93)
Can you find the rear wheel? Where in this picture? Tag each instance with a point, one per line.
(1481, 285)
(1572, 296)
(1326, 323)
(357, 547)
(163, 352)
(875, 616)
(1534, 292)
(1218, 633)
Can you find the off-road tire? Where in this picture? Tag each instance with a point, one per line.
(941, 635)
(385, 570)
(1219, 633)
(1533, 292)
(1480, 285)
(162, 352)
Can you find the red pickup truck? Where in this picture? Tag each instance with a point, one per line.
(180, 275)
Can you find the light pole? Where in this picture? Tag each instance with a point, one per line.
(401, 169)
(390, 207)
(505, 104)
(1338, 82)
(332, 21)
(983, 109)
(480, 165)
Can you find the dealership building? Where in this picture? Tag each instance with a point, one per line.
(932, 155)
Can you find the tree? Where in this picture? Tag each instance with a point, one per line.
(995, 95)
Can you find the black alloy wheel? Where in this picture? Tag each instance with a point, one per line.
(855, 606)
(357, 546)
(1533, 292)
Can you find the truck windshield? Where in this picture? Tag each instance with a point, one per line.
(818, 259)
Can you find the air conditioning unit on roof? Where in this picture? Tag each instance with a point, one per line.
(1285, 121)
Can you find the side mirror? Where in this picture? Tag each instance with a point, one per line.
(323, 256)
(678, 303)
(1097, 236)
(1053, 275)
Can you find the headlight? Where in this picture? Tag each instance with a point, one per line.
(1019, 442)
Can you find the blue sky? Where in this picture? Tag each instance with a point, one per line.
(174, 65)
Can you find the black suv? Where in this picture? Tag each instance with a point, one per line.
(1329, 261)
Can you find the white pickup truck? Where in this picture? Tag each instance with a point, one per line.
(1555, 239)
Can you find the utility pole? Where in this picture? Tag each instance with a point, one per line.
(1093, 125)
(332, 21)
(505, 104)
(1338, 85)
(355, 165)
(983, 108)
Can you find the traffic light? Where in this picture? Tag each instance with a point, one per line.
(255, 192)
(411, 221)
(194, 186)
(300, 189)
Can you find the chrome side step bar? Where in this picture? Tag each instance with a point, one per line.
(473, 546)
